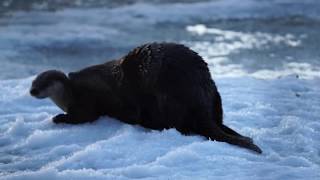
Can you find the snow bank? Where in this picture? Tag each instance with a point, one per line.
(282, 116)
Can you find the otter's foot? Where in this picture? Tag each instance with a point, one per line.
(61, 118)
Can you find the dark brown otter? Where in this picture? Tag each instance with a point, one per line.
(157, 85)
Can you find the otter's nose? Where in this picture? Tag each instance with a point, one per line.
(34, 91)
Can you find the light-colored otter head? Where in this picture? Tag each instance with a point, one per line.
(48, 84)
(52, 84)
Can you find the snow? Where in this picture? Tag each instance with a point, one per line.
(280, 114)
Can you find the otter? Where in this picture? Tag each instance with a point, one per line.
(156, 85)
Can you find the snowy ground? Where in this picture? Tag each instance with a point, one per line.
(264, 57)
(282, 116)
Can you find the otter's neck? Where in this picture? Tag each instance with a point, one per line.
(62, 96)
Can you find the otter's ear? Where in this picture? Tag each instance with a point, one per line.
(70, 75)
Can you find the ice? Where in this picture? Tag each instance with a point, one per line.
(240, 40)
(230, 42)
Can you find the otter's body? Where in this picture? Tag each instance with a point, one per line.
(158, 86)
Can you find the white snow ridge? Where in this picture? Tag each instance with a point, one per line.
(282, 116)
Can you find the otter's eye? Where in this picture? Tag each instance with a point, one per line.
(44, 85)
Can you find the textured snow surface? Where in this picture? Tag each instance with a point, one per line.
(282, 116)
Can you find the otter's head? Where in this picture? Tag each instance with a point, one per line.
(48, 84)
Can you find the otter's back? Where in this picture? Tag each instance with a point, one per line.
(152, 64)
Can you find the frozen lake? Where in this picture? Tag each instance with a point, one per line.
(263, 55)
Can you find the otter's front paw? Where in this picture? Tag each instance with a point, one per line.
(60, 118)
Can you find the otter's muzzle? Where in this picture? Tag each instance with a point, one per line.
(34, 92)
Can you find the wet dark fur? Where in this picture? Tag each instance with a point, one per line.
(158, 86)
